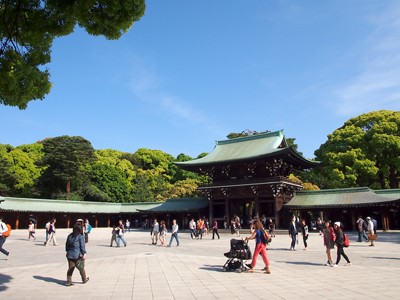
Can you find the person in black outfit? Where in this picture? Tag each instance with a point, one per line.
(293, 233)
(340, 245)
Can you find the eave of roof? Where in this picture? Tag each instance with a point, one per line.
(350, 197)
(179, 205)
(65, 206)
(253, 147)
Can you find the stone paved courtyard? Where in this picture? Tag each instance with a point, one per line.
(194, 270)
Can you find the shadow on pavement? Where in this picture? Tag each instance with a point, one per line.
(4, 279)
(301, 263)
(381, 257)
(49, 279)
(212, 268)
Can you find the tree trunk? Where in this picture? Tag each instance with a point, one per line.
(393, 177)
(381, 180)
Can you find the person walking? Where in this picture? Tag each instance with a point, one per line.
(174, 234)
(155, 231)
(128, 225)
(271, 228)
(76, 254)
(163, 232)
(192, 227)
(120, 234)
(47, 228)
(3, 229)
(113, 235)
(329, 242)
(200, 228)
(52, 233)
(339, 241)
(260, 247)
(360, 229)
(31, 230)
(371, 232)
(215, 229)
(293, 233)
(304, 232)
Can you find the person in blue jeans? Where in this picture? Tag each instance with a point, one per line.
(174, 234)
(120, 234)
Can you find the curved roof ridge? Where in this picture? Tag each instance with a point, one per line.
(251, 137)
(339, 190)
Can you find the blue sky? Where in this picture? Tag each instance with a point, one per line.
(190, 72)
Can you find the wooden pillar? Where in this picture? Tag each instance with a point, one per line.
(277, 206)
(257, 206)
(96, 222)
(321, 216)
(227, 212)
(353, 219)
(17, 222)
(68, 221)
(210, 210)
(385, 219)
(108, 221)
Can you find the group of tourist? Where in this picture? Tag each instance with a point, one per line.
(159, 232)
(333, 236)
(200, 228)
(369, 226)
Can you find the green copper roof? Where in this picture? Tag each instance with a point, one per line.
(180, 205)
(389, 193)
(58, 206)
(246, 148)
(350, 197)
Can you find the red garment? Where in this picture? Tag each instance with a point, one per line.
(260, 248)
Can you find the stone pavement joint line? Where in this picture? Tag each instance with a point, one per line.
(194, 269)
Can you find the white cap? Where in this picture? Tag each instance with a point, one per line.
(337, 223)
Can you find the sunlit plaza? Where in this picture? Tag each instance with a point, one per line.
(194, 269)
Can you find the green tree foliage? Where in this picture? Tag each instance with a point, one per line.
(365, 151)
(18, 170)
(65, 159)
(27, 31)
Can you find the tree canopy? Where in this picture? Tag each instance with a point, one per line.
(67, 167)
(365, 151)
(27, 31)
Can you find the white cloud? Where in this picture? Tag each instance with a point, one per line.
(150, 89)
(377, 83)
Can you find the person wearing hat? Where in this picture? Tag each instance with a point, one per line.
(340, 245)
(371, 232)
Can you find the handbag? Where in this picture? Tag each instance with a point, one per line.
(372, 237)
(80, 264)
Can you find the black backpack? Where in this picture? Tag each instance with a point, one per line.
(265, 238)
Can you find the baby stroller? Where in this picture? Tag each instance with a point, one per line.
(238, 253)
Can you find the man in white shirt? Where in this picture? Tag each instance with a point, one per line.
(3, 228)
(174, 234)
(192, 227)
(155, 232)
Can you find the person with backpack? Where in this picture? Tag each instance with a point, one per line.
(261, 237)
(52, 233)
(3, 237)
(76, 254)
(340, 244)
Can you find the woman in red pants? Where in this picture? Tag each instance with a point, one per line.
(260, 246)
